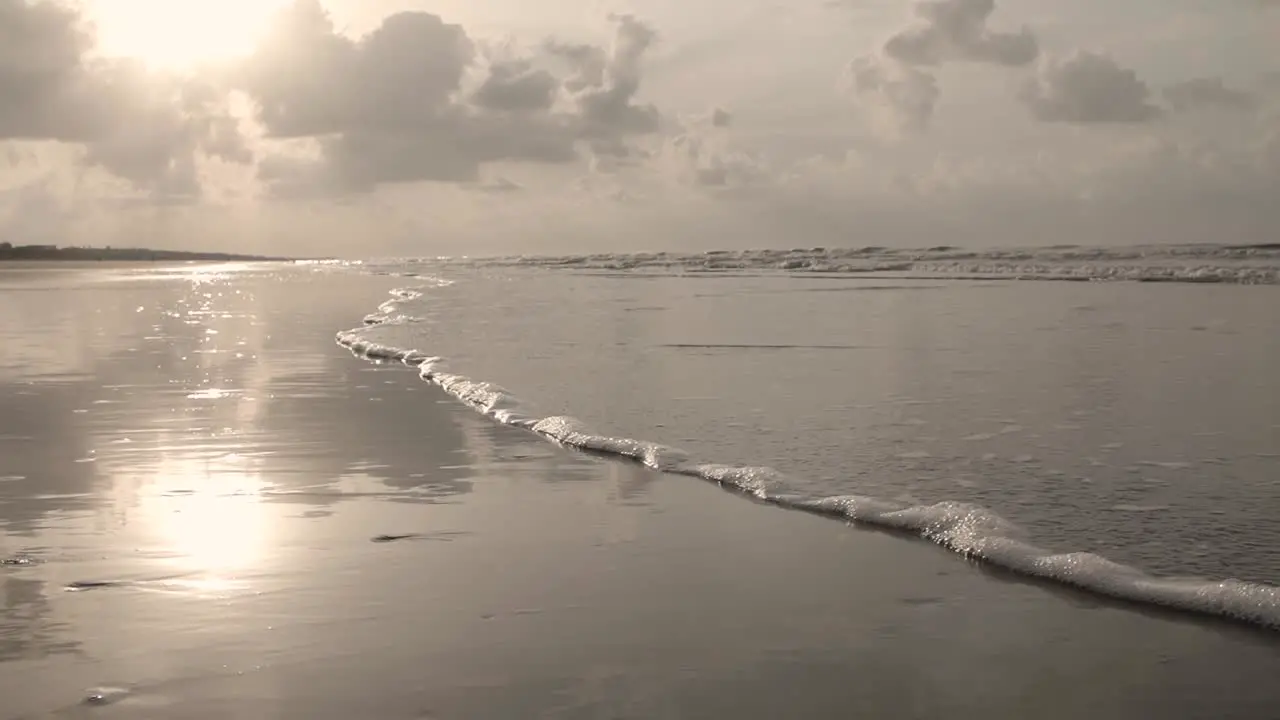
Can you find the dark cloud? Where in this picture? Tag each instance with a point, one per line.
(607, 105)
(42, 48)
(956, 31)
(517, 86)
(589, 63)
(391, 107)
(138, 125)
(451, 147)
(309, 80)
(1208, 93)
(721, 118)
(1088, 88)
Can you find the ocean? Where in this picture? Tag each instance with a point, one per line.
(1119, 432)
(809, 483)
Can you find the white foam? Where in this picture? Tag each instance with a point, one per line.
(967, 529)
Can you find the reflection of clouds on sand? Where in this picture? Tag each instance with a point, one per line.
(193, 395)
(489, 442)
(222, 394)
(26, 632)
(222, 397)
(345, 433)
(45, 332)
(632, 485)
(38, 455)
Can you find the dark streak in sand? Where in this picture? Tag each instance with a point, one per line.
(83, 585)
(436, 537)
(751, 346)
(80, 585)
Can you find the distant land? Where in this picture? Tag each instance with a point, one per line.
(9, 251)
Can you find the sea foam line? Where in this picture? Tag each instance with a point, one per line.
(970, 530)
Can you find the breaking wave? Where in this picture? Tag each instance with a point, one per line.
(1231, 264)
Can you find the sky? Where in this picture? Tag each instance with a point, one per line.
(360, 128)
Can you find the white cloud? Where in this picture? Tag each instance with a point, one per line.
(709, 161)
(901, 98)
(956, 31)
(899, 80)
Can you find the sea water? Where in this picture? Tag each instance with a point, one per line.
(1120, 435)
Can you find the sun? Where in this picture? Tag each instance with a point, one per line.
(180, 34)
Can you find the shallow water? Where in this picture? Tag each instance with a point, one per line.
(208, 509)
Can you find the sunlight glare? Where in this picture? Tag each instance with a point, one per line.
(210, 513)
(179, 34)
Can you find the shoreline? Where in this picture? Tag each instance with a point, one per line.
(253, 522)
(946, 525)
(52, 254)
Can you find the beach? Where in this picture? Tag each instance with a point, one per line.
(208, 508)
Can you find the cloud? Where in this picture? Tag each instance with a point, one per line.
(1087, 88)
(1208, 93)
(138, 125)
(394, 106)
(715, 118)
(708, 161)
(606, 105)
(397, 105)
(151, 130)
(308, 80)
(1167, 183)
(901, 97)
(42, 47)
(956, 31)
(898, 82)
(33, 213)
(506, 132)
(500, 185)
(517, 86)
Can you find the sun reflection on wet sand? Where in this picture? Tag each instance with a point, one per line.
(202, 498)
(210, 515)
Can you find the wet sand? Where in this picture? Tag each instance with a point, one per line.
(211, 510)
